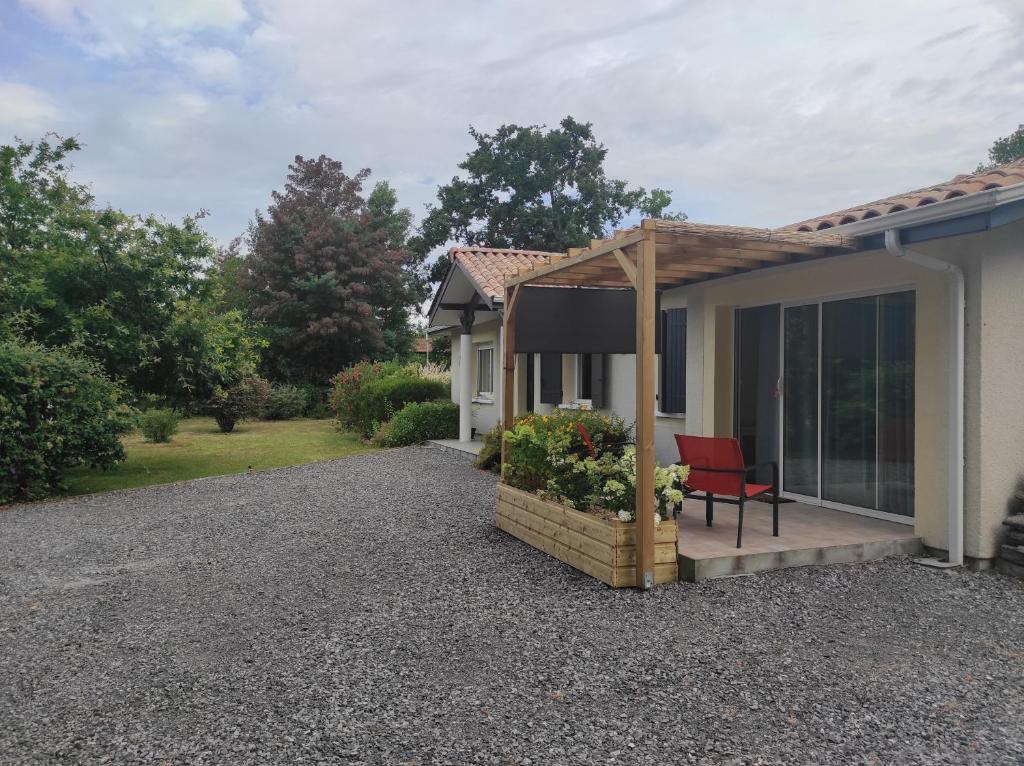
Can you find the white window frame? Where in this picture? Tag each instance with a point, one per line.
(478, 394)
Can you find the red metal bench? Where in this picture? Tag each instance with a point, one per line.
(717, 468)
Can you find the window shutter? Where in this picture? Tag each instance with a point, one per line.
(597, 381)
(551, 378)
(673, 361)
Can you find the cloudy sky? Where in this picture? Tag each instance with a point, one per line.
(752, 113)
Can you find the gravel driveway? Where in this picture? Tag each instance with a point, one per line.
(366, 610)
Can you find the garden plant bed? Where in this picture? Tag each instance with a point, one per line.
(603, 548)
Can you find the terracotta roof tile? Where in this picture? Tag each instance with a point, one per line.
(1009, 174)
(489, 267)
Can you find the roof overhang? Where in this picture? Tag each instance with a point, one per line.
(458, 288)
(958, 207)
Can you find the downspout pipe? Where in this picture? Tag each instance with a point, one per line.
(958, 318)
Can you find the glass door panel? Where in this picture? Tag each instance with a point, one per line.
(849, 349)
(757, 386)
(800, 401)
(896, 403)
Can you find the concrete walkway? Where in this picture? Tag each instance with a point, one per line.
(469, 448)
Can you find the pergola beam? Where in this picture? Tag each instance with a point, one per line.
(595, 252)
(703, 242)
(626, 265)
(733, 254)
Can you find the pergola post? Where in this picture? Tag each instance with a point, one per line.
(645, 364)
(509, 366)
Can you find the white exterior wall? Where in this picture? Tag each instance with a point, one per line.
(486, 412)
(993, 263)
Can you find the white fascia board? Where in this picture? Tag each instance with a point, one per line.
(979, 202)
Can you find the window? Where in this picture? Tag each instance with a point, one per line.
(584, 376)
(590, 379)
(672, 396)
(485, 372)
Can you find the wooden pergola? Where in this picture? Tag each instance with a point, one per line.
(659, 255)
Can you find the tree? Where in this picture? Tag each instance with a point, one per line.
(326, 271)
(534, 189)
(1006, 149)
(115, 288)
(395, 302)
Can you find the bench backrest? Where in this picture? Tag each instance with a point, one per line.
(711, 452)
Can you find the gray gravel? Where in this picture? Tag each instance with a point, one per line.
(366, 610)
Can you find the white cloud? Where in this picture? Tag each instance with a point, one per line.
(26, 110)
(215, 65)
(125, 29)
(759, 116)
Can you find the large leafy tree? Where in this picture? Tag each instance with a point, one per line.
(126, 291)
(326, 270)
(532, 188)
(1006, 149)
(396, 301)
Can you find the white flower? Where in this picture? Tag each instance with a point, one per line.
(625, 516)
(657, 518)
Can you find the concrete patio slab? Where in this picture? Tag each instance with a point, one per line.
(807, 535)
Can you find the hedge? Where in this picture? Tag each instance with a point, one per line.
(380, 399)
(419, 421)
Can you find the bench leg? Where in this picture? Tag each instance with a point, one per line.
(709, 507)
(739, 527)
(775, 515)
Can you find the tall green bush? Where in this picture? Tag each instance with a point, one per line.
(347, 388)
(57, 410)
(367, 395)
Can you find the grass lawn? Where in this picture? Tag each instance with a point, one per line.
(199, 449)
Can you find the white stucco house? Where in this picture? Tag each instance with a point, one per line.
(884, 378)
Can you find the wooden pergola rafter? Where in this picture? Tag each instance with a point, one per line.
(658, 255)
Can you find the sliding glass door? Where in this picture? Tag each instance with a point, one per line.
(848, 402)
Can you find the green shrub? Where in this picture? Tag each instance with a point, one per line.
(548, 455)
(231, 405)
(348, 385)
(545, 448)
(57, 410)
(419, 421)
(489, 457)
(606, 433)
(316, 401)
(158, 425)
(381, 399)
(284, 403)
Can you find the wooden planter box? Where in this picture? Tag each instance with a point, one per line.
(601, 548)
